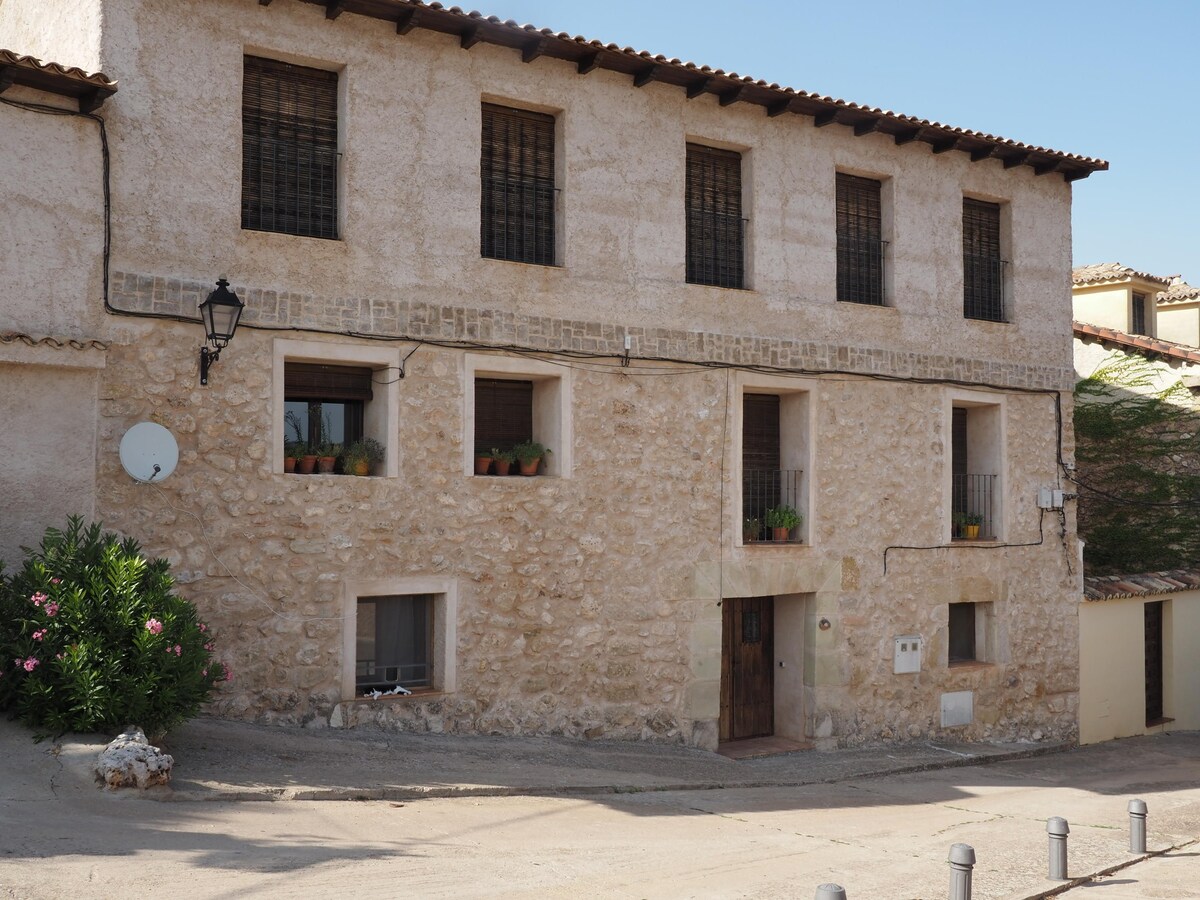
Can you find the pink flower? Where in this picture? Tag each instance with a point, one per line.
(203, 628)
(56, 581)
(30, 664)
(52, 609)
(204, 673)
(227, 671)
(154, 626)
(39, 598)
(209, 647)
(39, 634)
(58, 656)
(178, 650)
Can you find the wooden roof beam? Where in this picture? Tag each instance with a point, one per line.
(588, 62)
(981, 154)
(645, 76)
(821, 119)
(696, 88)
(778, 108)
(7, 77)
(533, 50)
(409, 18)
(92, 100)
(907, 136)
(944, 145)
(334, 8)
(1017, 159)
(1047, 166)
(863, 128)
(471, 36)
(264, 2)
(732, 96)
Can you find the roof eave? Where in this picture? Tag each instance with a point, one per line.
(89, 90)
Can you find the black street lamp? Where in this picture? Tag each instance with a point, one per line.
(220, 312)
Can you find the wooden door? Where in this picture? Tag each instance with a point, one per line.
(1154, 662)
(747, 667)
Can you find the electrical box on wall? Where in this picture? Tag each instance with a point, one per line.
(1050, 498)
(908, 654)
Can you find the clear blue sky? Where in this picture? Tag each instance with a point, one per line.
(1114, 80)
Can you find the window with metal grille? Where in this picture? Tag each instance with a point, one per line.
(394, 640)
(289, 148)
(324, 404)
(1139, 314)
(859, 240)
(962, 632)
(713, 208)
(503, 413)
(983, 268)
(517, 187)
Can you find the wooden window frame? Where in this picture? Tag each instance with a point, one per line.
(983, 261)
(714, 223)
(518, 192)
(319, 383)
(289, 149)
(503, 413)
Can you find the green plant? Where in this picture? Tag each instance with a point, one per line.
(297, 450)
(374, 450)
(751, 527)
(782, 517)
(972, 519)
(97, 638)
(528, 451)
(959, 519)
(504, 456)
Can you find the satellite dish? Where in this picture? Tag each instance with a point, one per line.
(149, 452)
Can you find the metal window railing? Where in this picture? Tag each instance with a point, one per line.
(371, 674)
(860, 270)
(716, 249)
(983, 287)
(518, 221)
(762, 491)
(973, 507)
(290, 187)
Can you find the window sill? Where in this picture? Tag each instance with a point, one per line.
(1161, 720)
(523, 262)
(855, 303)
(970, 664)
(797, 543)
(327, 475)
(417, 694)
(721, 287)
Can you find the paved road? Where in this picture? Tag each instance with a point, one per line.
(881, 837)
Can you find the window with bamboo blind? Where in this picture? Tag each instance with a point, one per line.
(503, 413)
(859, 240)
(289, 148)
(517, 193)
(324, 404)
(714, 224)
(983, 266)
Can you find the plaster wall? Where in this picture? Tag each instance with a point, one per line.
(1112, 666)
(1111, 305)
(65, 33)
(1091, 356)
(1179, 322)
(587, 603)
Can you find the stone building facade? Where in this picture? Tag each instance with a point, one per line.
(609, 596)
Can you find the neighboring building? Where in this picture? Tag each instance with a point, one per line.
(1140, 654)
(707, 295)
(1178, 313)
(1115, 296)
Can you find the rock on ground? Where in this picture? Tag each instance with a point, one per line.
(129, 759)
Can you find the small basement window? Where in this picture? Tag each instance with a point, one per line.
(969, 633)
(394, 643)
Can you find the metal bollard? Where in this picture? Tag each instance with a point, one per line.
(962, 861)
(831, 892)
(1137, 826)
(1058, 830)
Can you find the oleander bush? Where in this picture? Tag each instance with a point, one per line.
(92, 638)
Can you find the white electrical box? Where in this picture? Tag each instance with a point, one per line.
(908, 654)
(958, 708)
(1050, 498)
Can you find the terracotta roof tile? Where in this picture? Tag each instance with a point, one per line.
(91, 89)
(1139, 343)
(1101, 272)
(63, 343)
(1179, 292)
(1112, 587)
(729, 86)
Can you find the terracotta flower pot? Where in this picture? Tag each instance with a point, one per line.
(779, 534)
(503, 466)
(289, 464)
(530, 467)
(482, 464)
(306, 465)
(325, 464)
(362, 467)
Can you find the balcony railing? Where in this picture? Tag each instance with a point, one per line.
(764, 490)
(983, 288)
(972, 507)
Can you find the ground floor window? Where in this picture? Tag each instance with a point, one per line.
(394, 642)
(324, 406)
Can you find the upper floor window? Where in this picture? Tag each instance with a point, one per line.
(289, 149)
(517, 186)
(1139, 314)
(859, 240)
(983, 265)
(716, 230)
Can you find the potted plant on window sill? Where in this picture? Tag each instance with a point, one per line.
(751, 528)
(327, 456)
(306, 463)
(292, 454)
(529, 454)
(781, 520)
(503, 460)
(483, 461)
(361, 455)
(971, 525)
